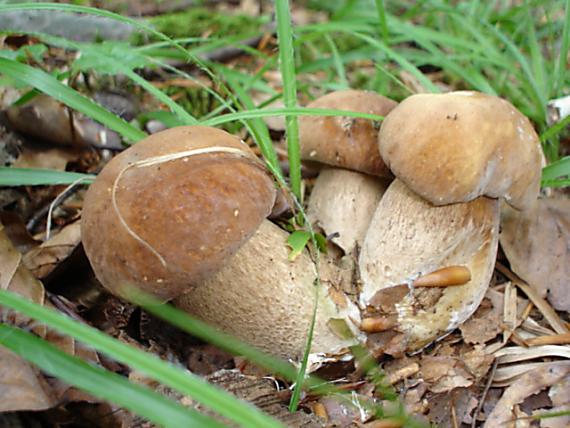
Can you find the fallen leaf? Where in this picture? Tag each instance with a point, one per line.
(14, 375)
(44, 259)
(484, 324)
(22, 387)
(442, 374)
(529, 384)
(537, 245)
(44, 158)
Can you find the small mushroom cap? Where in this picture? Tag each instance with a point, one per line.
(266, 300)
(343, 141)
(458, 146)
(409, 237)
(182, 216)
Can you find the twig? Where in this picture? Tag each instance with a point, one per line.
(58, 200)
(541, 304)
(485, 392)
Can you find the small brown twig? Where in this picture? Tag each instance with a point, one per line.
(485, 392)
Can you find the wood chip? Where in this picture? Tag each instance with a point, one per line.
(509, 311)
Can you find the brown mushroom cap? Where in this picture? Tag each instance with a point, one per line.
(173, 220)
(342, 141)
(409, 237)
(458, 146)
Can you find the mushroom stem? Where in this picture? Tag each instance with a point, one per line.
(261, 297)
(342, 202)
(407, 234)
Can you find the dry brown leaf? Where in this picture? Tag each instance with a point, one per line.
(442, 374)
(21, 386)
(478, 362)
(560, 396)
(448, 410)
(529, 384)
(505, 376)
(45, 158)
(16, 278)
(483, 325)
(513, 354)
(537, 244)
(44, 259)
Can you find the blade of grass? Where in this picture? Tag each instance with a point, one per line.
(296, 111)
(95, 49)
(555, 129)
(51, 86)
(536, 57)
(36, 177)
(101, 383)
(185, 117)
(382, 20)
(337, 61)
(257, 128)
(289, 77)
(556, 169)
(561, 65)
(563, 182)
(403, 62)
(288, 74)
(182, 381)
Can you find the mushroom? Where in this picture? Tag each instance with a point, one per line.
(168, 211)
(263, 298)
(345, 194)
(453, 155)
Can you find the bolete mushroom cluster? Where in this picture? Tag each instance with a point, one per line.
(182, 215)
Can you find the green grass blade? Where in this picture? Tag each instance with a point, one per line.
(101, 383)
(561, 64)
(185, 117)
(36, 177)
(536, 57)
(563, 182)
(289, 76)
(182, 381)
(296, 111)
(382, 20)
(256, 127)
(403, 62)
(555, 129)
(556, 169)
(337, 61)
(214, 336)
(51, 86)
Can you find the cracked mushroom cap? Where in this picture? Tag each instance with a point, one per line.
(267, 300)
(343, 141)
(409, 237)
(168, 211)
(458, 146)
